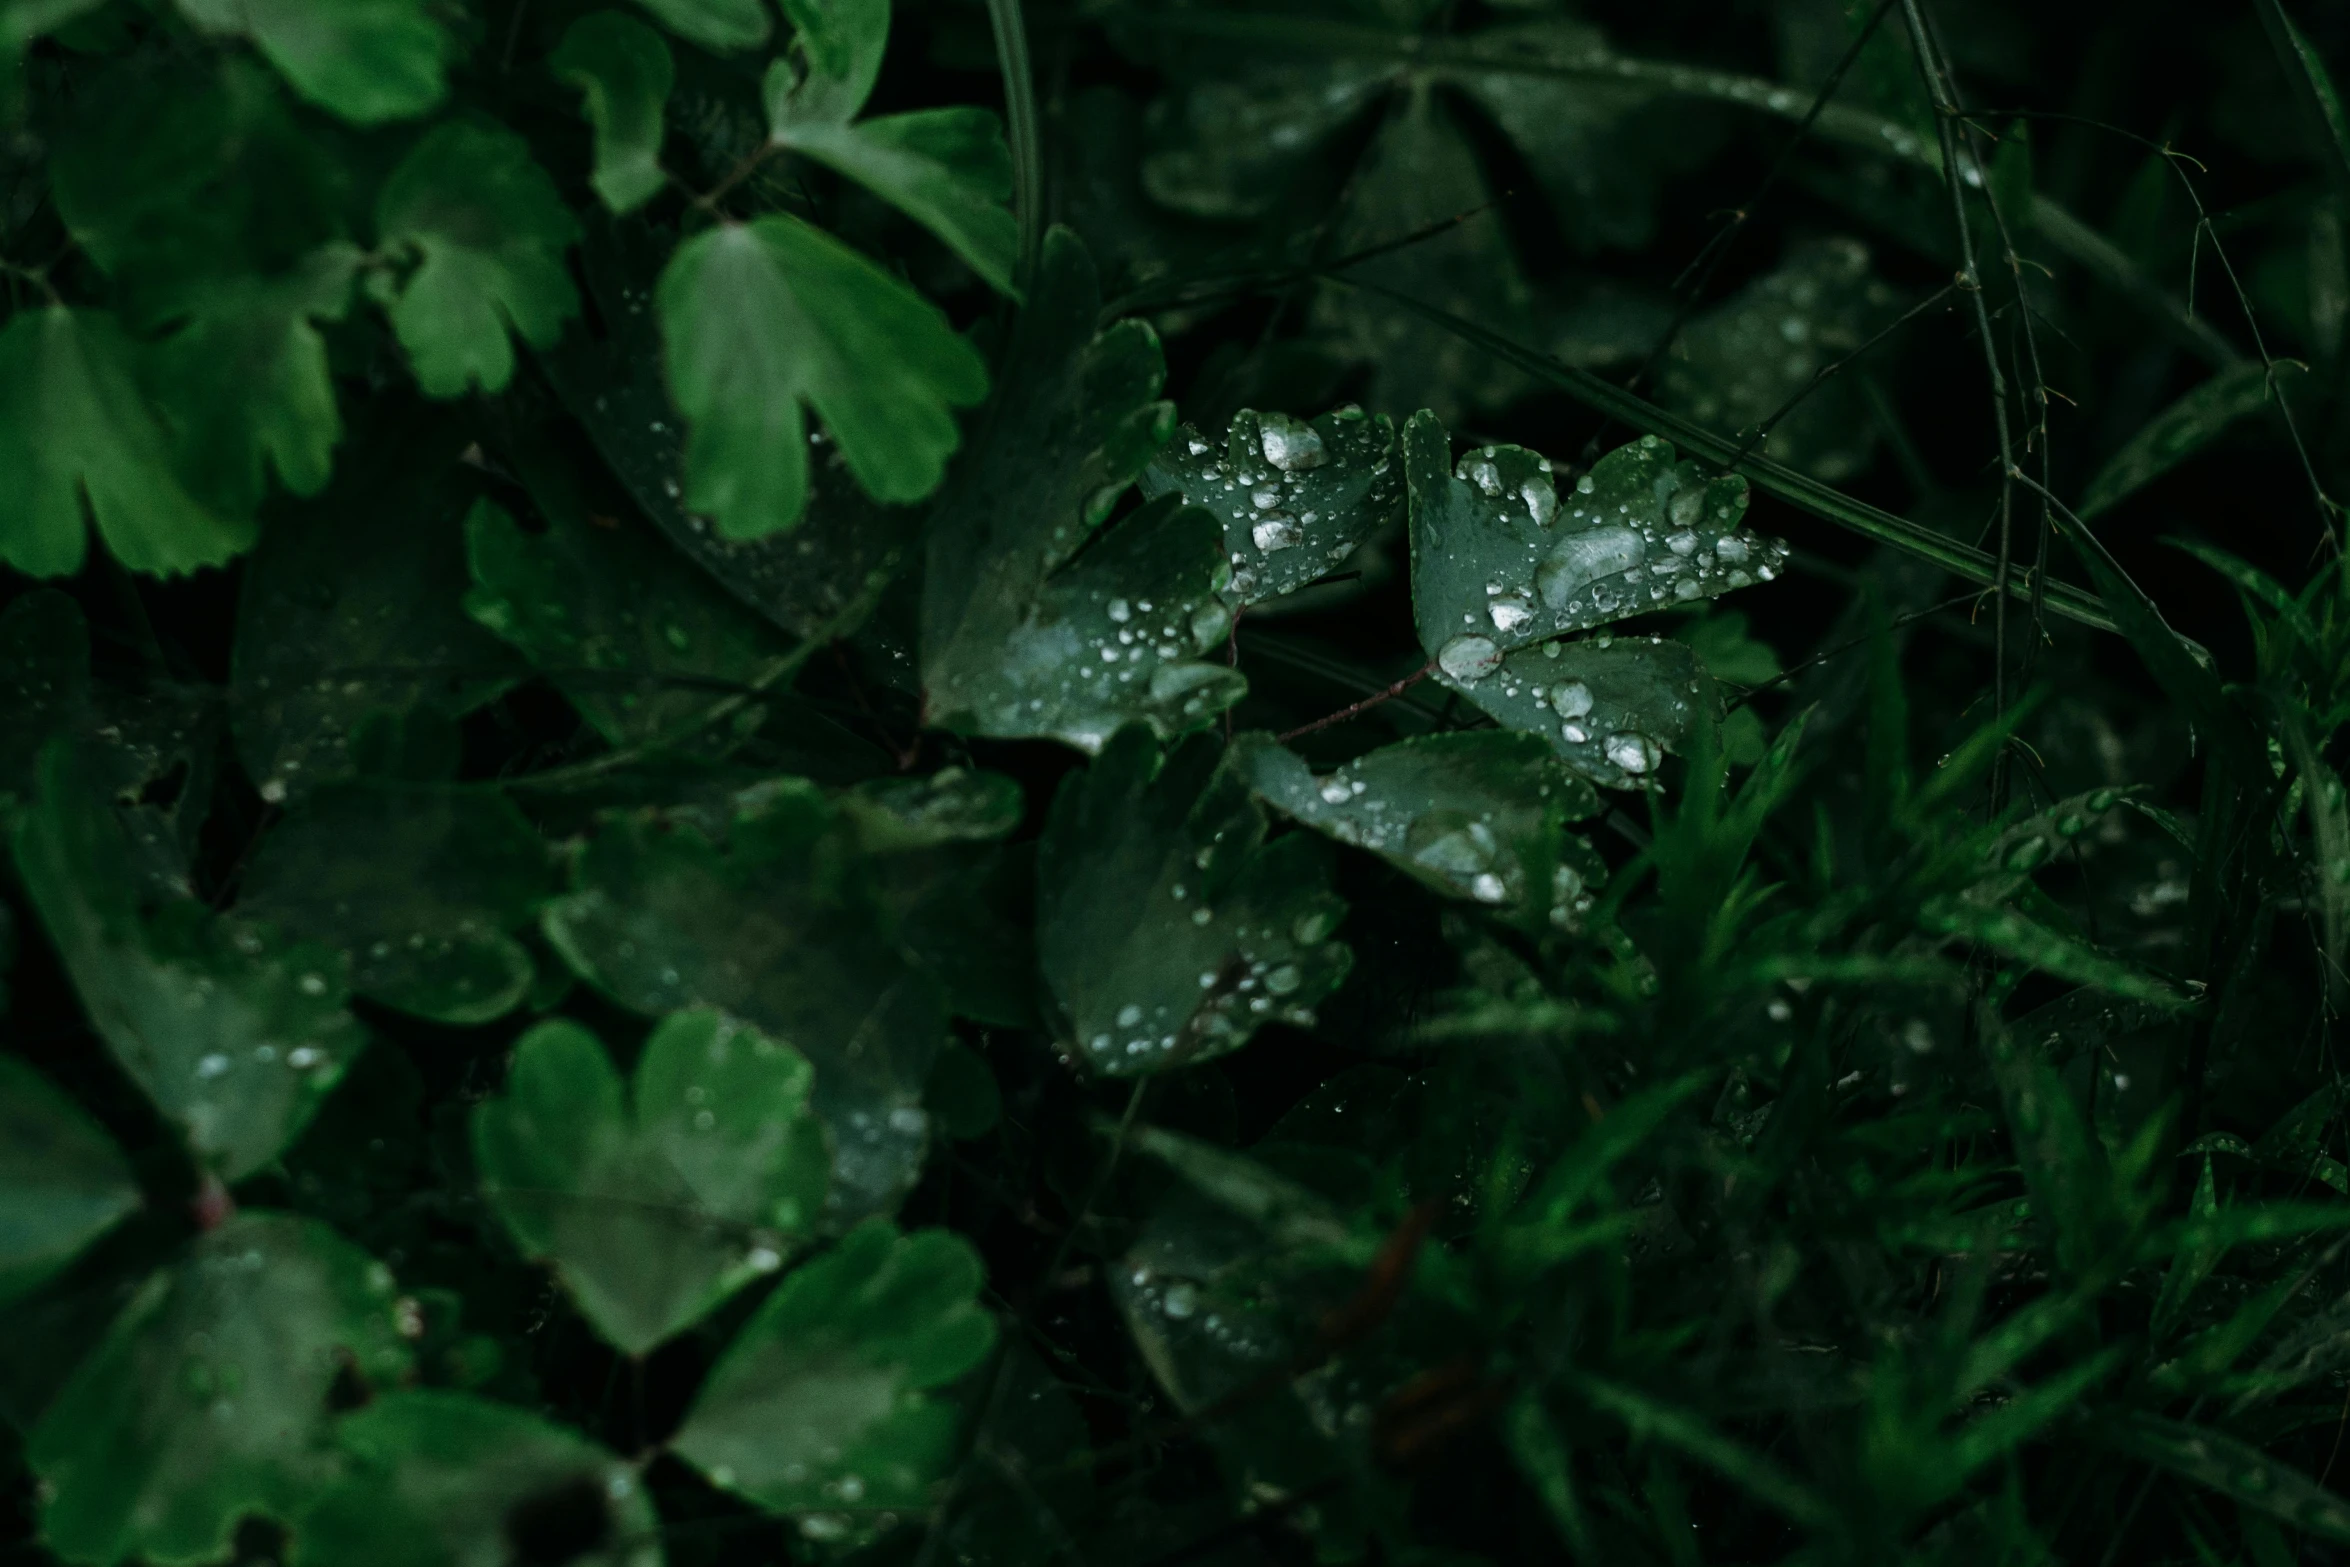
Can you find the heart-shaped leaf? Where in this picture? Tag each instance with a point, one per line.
(1167, 928)
(1478, 815)
(658, 1198)
(827, 1400)
(1295, 497)
(208, 1397)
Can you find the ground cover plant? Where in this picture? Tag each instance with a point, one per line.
(1393, 781)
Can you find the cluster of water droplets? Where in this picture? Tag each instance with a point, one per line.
(1295, 501)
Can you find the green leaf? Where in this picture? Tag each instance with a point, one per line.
(2236, 1470)
(819, 580)
(646, 646)
(1500, 561)
(655, 1200)
(1295, 498)
(350, 607)
(1478, 815)
(367, 60)
(775, 923)
(1609, 706)
(718, 25)
(1168, 930)
(2027, 941)
(446, 1477)
(419, 887)
(952, 805)
(233, 1034)
(207, 1399)
(1739, 363)
(75, 427)
(1032, 625)
(623, 72)
(2324, 124)
(44, 679)
(483, 231)
(63, 1183)
(828, 1400)
(242, 380)
(948, 169)
(2177, 433)
(762, 317)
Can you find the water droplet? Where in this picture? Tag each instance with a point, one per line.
(1580, 559)
(1275, 532)
(1335, 791)
(212, 1065)
(1730, 548)
(1570, 699)
(1469, 659)
(1634, 753)
(1121, 611)
(1313, 927)
(1209, 623)
(1290, 444)
(1284, 979)
(1129, 1015)
(1509, 612)
(1486, 887)
(1181, 1300)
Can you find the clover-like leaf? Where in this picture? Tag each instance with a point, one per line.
(948, 169)
(63, 1183)
(640, 641)
(351, 606)
(1609, 706)
(718, 25)
(367, 60)
(208, 1397)
(774, 921)
(1478, 815)
(963, 905)
(829, 1400)
(819, 579)
(1739, 363)
(1500, 560)
(623, 72)
(1295, 497)
(243, 381)
(658, 1198)
(74, 426)
(954, 805)
(1168, 929)
(447, 1477)
(1030, 624)
(483, 231)
(420, 886)
(760, 318)
(234, 1034)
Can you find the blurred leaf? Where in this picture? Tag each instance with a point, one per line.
(235, 1035)
(2177, 433)
(2324, 124)
(421, 888)
(1167, 928)
(483, 231)
(776, 923)
(2243, 1474)
(446, 1477)
(1019, 638)
(623, 73)
(658, 1199)
(367, 60)
(717, 25)
(208, 1397)
(829, 1399)
(62, 1181)
(1295, 497)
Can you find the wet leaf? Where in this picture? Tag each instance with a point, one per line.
(421, 888)
(830, 1398)
(1479, 815)
(776, 923)
(63, 1183)
(1295, 497)
(1168, 930)
(208, 1397)
(1500, 560)
(623, 73)
(1609, 706)
(447, 1477)
(1032, 625)
(658, 1198)
(234, 1033)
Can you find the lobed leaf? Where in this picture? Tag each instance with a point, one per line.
(623, 72)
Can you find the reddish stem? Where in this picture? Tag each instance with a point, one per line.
(1365, 705)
